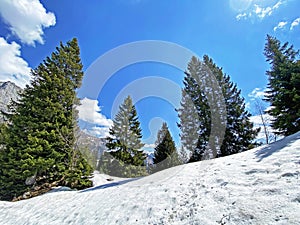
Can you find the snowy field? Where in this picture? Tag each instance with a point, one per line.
(260, 186)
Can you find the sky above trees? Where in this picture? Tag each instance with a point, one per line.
(231, 32)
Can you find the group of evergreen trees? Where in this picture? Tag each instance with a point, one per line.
(205, 109)
(196, 124)
(196, 113)
(124, 156)
(38, 146)
(38, 140)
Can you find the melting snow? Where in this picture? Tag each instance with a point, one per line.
(260, 186)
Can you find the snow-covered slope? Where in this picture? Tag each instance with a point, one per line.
(260, 186)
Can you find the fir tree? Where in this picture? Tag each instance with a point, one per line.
(165, 154)
(239, 134)
(161, 133)
(40, 149)
(194, 113)
(283, 87)
(124, 142)
(205, 98)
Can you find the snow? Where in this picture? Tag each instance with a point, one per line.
(101, 179)
(260, 186)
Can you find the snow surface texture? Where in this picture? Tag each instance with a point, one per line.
(260, 186)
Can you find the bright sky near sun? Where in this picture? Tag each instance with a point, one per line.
(232, 32)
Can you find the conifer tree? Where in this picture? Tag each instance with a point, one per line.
(124, 143)
(283, 87)
(165, 154)
(194, 114)
(40, 149)
(239, 133)
(161, 133)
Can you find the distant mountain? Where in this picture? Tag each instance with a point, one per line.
(95, 145)
(8, 91)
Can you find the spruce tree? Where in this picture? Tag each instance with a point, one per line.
(194, 113)
(165, 154)
(40, 149)
(283, 87)
(239, 132)
(124, 143)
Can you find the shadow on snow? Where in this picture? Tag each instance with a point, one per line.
(113, 184)
(276, 146)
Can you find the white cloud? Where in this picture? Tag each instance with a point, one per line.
(257, 93)
(278, 4)
(149, 148)
(100, 132)
(263, 12)
(280, 25)
(91, 118)
(241, 16)
(26, 19)
(259, 11)
(152, 146)
(89, 111)
(295, 23)
(12, 66)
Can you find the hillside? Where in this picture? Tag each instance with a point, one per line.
(260, 186)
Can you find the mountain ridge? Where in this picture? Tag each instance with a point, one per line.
(9, 91)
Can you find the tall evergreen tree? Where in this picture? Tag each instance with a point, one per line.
(40, 148)
(239, 132)
(284, 86)
(161, 133)
(194, 114)
(124, 142)
(165, 154)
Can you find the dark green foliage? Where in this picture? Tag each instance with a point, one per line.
(284, 86)
(196, 127)
(194, 114)
(124, 143)
(40, 136)
(239, 134)
(90, 155)
(165, 154)
(110, 165)
(3, 135)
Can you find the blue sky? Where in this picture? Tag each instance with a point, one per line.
(232, 32)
